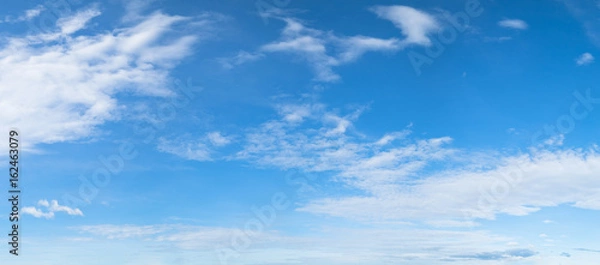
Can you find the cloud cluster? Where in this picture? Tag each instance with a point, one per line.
(398, 177)
(402, 178)
(60, 86)
(324, 50)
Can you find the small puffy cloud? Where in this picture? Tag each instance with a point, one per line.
(415, 24)
(513, 23)
(37, 213)
(32, 13)
(51, 207)
(584, 59)
(217, 139)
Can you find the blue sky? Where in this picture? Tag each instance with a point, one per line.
(304, 132)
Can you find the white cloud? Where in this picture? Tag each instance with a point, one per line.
(217, 139)
(542, 179)
(415, 24)
(135, 8)
(584, 59)
(199, 149)
(51, 207)
(37, 213)
(309, 44)
(192, 150)
(327, 144)
(497, 39)
(586, 13)
(452, 223)
(57, 87)
(123, 231)
(513, 23)
(239, 59)
(70, 25)
(185, 237)
(324, 50)
(420, 179)
(356, 46)
(28, 15)
(388, 138)
(297, 113)
(32, 13)
(332, 245)
(556, 140)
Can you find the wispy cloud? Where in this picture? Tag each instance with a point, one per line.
(499, 255)
(586, 12)
(192, 150)
(217, 139)
(27, 15)
(497, 39)
(309, 44)
(513, 23)
(325, 50)
(397, 177)
(240, 58)
(70, 25)
(585, 59)
(587, 250)
(64, 86)
(333, 245)
(199, 149)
